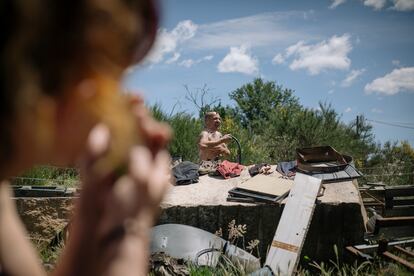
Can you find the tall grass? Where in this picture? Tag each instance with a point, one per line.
(48, 176)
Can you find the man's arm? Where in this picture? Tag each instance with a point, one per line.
(205, 143)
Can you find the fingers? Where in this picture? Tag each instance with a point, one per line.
(97, 144)
(161, 176)
(155, 134)
(151, 175)
(140, 163)
(226, 138)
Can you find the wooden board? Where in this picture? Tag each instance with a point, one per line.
(291, 232)
(274, 184)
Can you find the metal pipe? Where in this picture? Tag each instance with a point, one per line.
(239, 156)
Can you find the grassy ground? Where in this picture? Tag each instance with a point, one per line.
(48, 176)
(161, 264)
(226, 268)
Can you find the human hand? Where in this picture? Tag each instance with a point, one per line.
(155, 134)
(226, 138)
(115, 212)
(110, 231)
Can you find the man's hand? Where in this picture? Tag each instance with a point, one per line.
(226, 138)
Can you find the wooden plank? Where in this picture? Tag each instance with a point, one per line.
(291, 232)
(395, 221)
(399, 211)
(396, 191)
(403, 202)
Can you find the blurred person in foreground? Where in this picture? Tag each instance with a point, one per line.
(60, 71)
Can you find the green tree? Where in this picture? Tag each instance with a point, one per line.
(392, 164)
(258, 101)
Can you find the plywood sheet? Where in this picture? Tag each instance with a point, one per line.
(274, 184)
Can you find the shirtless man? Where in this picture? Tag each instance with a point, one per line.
(211, 143)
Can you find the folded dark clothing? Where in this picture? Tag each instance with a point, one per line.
(186, 173)
(287, 168)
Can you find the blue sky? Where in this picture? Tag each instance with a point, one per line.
(356, 55)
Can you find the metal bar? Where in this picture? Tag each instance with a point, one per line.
(373, 197)
(398, 259)
(405, 251)
(373, 247)
(358, 253)
(375, 184)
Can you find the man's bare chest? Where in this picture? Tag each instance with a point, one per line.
(214, 136)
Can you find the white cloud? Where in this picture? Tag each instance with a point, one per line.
(174, 58)
(331, 54)
(331, 91)
(239, 60)
(376, 110)
(190, 62)
(278, 59)
(352, 76)
(348, 109)
(397, 81)
(187, 63)
(262, 29)
(336, 3)
(376, 4)
(168, 42)
(403, 5)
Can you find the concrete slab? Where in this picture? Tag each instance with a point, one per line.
(210, 190)
(337, 220)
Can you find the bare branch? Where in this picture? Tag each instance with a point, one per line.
(198, 97)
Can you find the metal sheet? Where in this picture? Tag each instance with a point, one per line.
(198, 246)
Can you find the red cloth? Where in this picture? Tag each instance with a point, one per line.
(229, 169)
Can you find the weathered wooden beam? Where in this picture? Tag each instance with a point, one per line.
(399, 191)
(291, 232)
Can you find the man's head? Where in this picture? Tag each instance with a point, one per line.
(212, 120)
